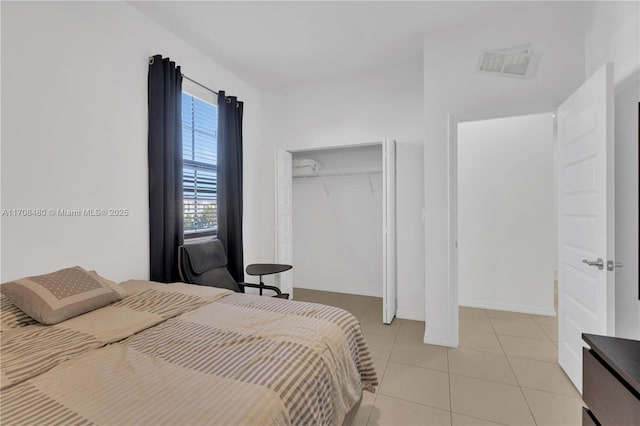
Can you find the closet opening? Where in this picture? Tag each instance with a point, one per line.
(336, 221)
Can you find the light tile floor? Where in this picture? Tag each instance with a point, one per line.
(505, 370)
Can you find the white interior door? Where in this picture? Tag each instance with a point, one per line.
(284, 219)
(586, 218)
(389, 269)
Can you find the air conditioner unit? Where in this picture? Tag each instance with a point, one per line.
(518, 61)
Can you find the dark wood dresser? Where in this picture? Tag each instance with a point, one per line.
(611, 381)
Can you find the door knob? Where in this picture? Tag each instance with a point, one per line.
(598, 262)
(612, 265)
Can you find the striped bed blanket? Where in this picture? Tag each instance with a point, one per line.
(187, 355)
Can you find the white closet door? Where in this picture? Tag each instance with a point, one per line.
(284, 219)
(389, 269)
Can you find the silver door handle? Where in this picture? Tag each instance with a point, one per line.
(598, 262)
(612, 265)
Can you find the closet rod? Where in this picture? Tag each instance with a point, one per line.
(320, 175)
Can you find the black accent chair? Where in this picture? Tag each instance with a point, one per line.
(205, 263)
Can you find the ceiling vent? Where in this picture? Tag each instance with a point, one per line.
(518, 61)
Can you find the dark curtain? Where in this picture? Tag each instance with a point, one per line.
(165, 168)
(230, 182)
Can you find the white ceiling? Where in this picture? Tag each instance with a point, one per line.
(275, 44)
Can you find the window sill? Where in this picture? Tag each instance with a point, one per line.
(199, 238)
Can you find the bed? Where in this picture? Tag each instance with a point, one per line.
(185, 354)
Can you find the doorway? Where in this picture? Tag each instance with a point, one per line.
(506, 221)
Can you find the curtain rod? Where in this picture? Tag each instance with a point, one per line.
(201, 85)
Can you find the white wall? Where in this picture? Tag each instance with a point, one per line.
(506, 220)
(613, 35)
(337, 223)
(410, 231)
(452, 86)
(74, 135)
(377, 103)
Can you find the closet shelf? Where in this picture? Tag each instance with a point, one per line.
(341, 173)
(338, 173)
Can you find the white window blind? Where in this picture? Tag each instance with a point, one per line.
(199, 156)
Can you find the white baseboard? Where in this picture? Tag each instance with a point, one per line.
(438, 340)
(486, 304)
(337, 289)
(410, 315)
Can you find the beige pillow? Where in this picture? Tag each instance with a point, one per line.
(60, 295)
(113, 286)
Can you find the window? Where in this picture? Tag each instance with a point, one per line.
(199, 164)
